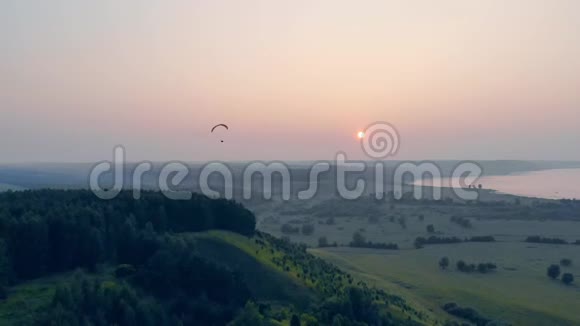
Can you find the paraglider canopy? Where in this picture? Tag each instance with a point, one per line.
(219, 125)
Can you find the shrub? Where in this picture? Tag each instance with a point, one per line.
(322, 242)
(567, 278)
(463, 222)
(553, 271)
(566, 262)
(430, 228)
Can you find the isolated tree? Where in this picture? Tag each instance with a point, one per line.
(322, 242)
(358, 239)
(461, 265)
(430, 228)
(444, 263)
(567, 278)
(553, 271)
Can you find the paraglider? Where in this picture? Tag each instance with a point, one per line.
(220, 125)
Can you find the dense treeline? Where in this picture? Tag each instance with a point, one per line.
(359, 241)
(483, 238)
(375, 245)
(87, 301)
(49, 231)
(420, 242)
(482, 268)
(181, 287)
(370, 207)
(539, 239)
(467, 314)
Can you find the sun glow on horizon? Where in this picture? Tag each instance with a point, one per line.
(360, 134)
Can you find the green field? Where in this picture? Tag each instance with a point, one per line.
(519, 292)
(510, 223)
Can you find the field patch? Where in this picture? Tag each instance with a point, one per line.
(519, 292)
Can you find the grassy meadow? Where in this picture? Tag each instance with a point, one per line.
(519, 292)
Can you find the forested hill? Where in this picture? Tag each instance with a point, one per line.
(69, 258)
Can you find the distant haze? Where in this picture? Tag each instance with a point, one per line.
(294, 80)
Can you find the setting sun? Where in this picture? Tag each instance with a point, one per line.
(360, 134)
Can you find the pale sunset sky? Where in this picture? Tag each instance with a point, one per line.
(294, 80)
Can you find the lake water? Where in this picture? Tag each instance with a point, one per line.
(551, 184)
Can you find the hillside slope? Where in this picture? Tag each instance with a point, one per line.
(159, 262)
(281, 277)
